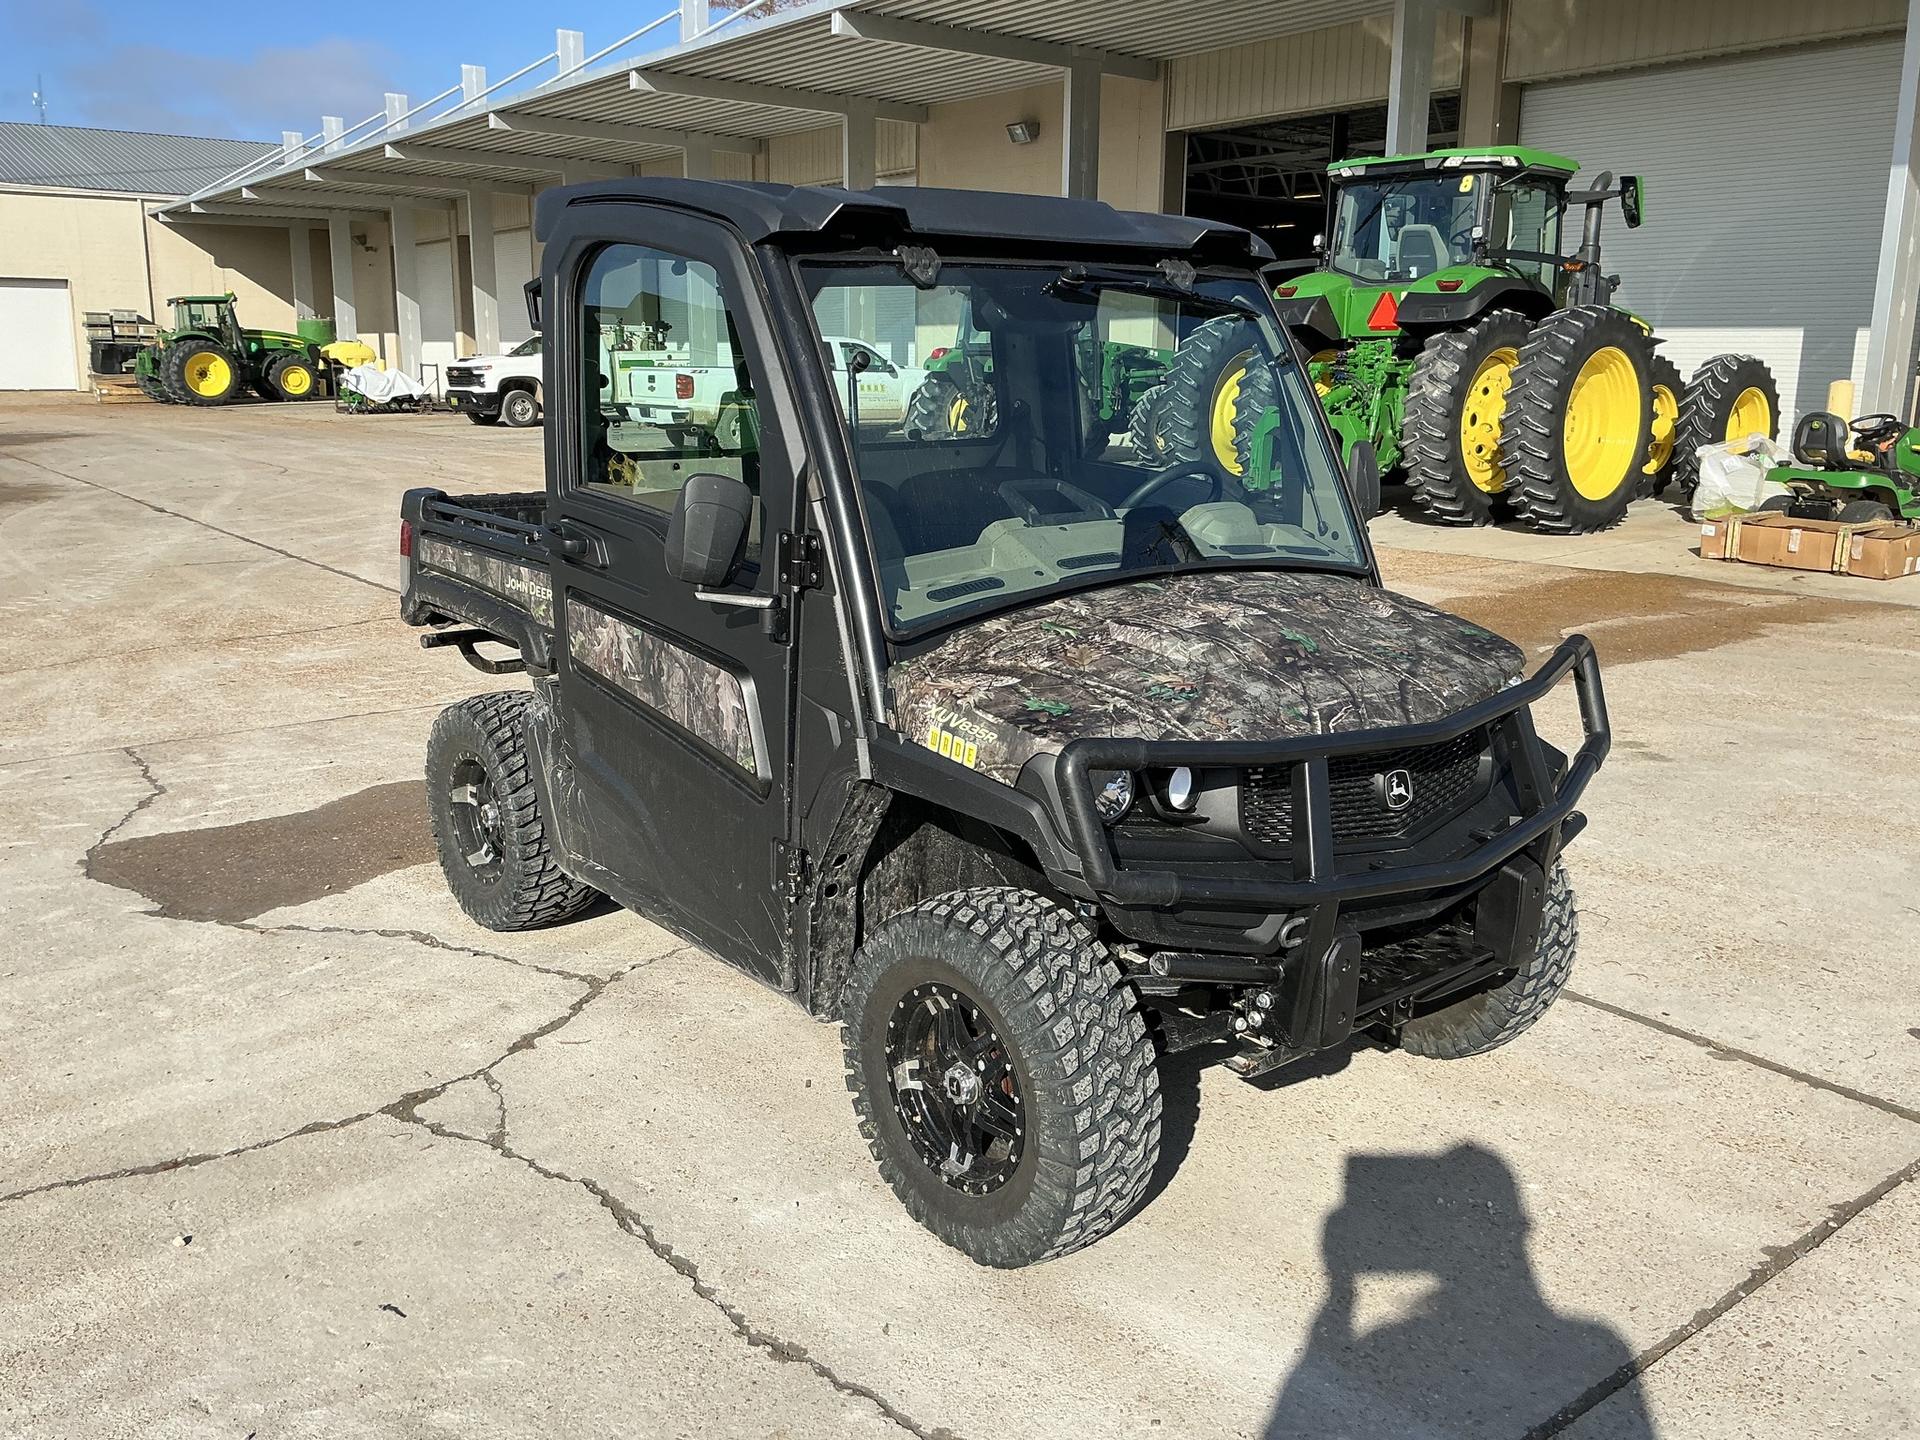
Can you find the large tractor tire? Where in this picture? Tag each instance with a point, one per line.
(1663, 436)
(1143, 428)
(151, 387)
(1578, 417)
(1731, 397)
(1259, 393)
(1451, 427)
(1199, 401)
(199, 372)
(291, 376)
(943, 410)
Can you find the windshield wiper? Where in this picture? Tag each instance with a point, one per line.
(1077, 280)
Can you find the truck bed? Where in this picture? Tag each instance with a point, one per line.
(480, 561)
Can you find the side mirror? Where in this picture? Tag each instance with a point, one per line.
(708, 531)
(1363, 479)
(532, 292)
(1633, 200)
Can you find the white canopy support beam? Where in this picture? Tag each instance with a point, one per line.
(387, 182)
(1080, 154)
(300, 251)
(405, 230)
(892, 30)
(473, 159)
(236, 212)
(1410, 77)
(355, 200)
(696, 157)
(346, 320)
(782, 97)
(518, 122)
(482, 253)
(1890, 339)
(859, 148)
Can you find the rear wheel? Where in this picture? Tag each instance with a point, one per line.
(1490, 1019)
(1669, 392)
(292, 377)
(199, 372)
(1199, 401)
(518, 409)
(495, 844)
(942, 409)
(151, 387)
(1143, 428)
(1001, 1074)
(1864, 512)
(1455, 412)
(1730, 398)
(1577, 422)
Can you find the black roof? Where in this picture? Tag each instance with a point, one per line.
(762, 211)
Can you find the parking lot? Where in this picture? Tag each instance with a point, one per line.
(290, 1147)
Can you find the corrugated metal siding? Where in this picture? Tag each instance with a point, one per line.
(1763, 201)
(812, 157)
(1329, 69)
(1545, 41)
(72, 157)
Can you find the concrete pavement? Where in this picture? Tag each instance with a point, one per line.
(288, 1147)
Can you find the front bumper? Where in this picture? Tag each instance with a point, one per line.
(1468, 915)
(473, 402)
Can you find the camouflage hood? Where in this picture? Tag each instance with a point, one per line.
(1194, 657)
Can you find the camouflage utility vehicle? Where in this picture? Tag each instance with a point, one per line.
(1024, 753)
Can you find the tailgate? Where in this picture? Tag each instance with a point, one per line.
(480, 561)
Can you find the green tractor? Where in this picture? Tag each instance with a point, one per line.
(206, 358)
(1855, 474)
(1443, 326)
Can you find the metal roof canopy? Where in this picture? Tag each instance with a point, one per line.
(733, 86)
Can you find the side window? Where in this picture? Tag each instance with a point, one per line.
(667, 393)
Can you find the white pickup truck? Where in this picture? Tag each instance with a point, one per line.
(504, 388)
(659, 386)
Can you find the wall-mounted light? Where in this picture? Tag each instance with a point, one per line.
(1023, 132)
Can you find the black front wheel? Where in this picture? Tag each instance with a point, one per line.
(1001, 1074)
(518, 409)
(1864, 512)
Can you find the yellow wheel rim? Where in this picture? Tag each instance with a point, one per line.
(1226, 404)
(208, 374)
(1480, 419)
(1751, 415)
(296, 380)
(957, 415)
(1320, 366)
(1666, 420)
(1601, 430)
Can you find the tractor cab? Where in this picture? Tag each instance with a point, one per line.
(209, 315)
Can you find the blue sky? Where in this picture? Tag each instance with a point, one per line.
(244, 71)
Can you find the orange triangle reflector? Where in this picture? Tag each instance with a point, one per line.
(1386, 313)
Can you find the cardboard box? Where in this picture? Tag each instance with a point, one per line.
(1880, 551)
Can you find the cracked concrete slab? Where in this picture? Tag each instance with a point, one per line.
(375, 1280)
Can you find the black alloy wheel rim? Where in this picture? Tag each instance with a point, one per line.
(479, 828)
(955, 1089)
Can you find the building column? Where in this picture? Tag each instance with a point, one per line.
(1080, 130)
(1410, 84)
(405, 230)
(346, 323)
(1890, 340)
(1489, 107)
(696, 160)
(486, 284)
(300, 247)
(859, 159)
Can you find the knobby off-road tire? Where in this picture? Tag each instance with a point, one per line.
(1197, 405)
(1731, 397)
(942, 410)
(1143, 428)
(1452, 425)
(190, 371)
(1072, 1040)
(495, 844)
(1663, 434)
(1490, 1019)
(1259, 393)
(1578, 416)
(292, 377)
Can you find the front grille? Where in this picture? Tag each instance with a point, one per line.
(460, 375)
(1445, 778)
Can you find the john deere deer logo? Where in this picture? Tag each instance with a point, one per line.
(1396, 788)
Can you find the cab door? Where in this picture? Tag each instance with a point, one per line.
(673, 722)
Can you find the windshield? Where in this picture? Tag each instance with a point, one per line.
(1018, 430)
(1398, 230)
(527, 347)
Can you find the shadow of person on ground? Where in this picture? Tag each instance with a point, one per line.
(1477, 1351)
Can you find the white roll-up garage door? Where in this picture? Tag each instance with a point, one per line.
(36, 336)
(1765, 183)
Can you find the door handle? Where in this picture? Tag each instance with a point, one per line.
(742, 602)
(568, 543)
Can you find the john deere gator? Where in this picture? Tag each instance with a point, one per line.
(1445, 327)
(207, 357)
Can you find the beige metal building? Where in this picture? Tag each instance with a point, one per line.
(1737, 111)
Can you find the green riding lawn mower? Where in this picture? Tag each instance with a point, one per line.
(207, 358)
(1855, 474)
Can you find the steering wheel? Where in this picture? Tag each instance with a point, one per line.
(1153, 484)
(1869, 425)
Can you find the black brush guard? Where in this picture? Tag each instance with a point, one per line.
(1320, 994)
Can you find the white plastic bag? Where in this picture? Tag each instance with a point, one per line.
(1733, 475)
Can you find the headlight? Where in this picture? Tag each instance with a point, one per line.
(1180, 792)
(1112, 794)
